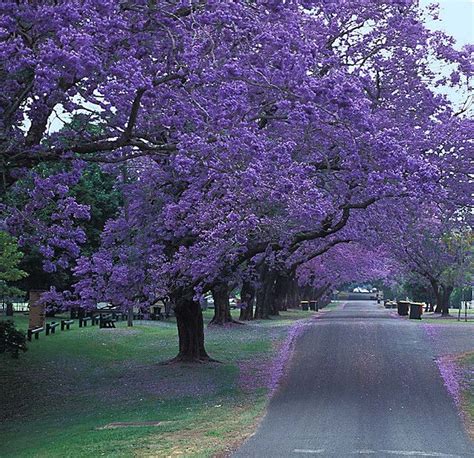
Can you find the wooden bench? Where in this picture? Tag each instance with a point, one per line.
(107, 321)
(83, 321)
(66, 324)
(34, 332)
(51, 327)
(390, 304)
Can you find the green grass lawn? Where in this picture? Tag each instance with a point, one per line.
(433, 318)
(59, 397)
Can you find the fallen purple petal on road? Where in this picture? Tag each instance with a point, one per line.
(452, 376)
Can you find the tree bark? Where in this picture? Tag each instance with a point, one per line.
(260, 312)
(281, 293)
(190, 328)
(247, 296)
(294, 294)
(271, 302)
(437, 295)
(447, 290)
(220, 294)
(130, 317)
(264, 294)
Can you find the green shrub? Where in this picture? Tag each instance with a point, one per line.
(11, 340)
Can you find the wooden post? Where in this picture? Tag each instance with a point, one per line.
(9, 310)
(36, 310)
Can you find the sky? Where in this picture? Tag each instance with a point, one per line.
(456, 19)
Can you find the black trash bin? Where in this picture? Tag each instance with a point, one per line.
(312, 305)
(416, 310)
(403, 307)
(304, 305)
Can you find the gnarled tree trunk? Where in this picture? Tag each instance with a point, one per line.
(220, 294)
(437, 295)
(265, 294)
(270, 293)
(294, 294)
(447, 290)
(190, 327)
(281, 293)
(247, 295)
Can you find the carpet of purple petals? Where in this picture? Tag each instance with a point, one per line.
(76, 382)
(454, 349)
(267, 372)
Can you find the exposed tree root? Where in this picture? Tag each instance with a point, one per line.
(224, 323)
(184, 359)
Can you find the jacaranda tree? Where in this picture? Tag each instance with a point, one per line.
(241, 134)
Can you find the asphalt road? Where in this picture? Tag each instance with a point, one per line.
(361, 382)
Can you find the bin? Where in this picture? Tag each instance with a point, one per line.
(403, 307)
(304, 305)
(416, 310)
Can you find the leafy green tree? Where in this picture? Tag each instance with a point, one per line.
(10, 258)
(96, 189)
(11, 340)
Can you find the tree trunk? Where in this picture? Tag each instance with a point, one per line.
(437, 295)
(130, 317)
(271, 302)
(190, 328)
(263, 305)
(260, 312)
(247, 295)
(294, 294)
(220, 294)
(281, 291)
(447, 290)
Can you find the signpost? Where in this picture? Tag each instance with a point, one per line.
(36, 310)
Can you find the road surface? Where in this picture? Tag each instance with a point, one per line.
(361, 382)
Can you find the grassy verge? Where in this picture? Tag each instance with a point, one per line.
(436, 318)
(466, 362)
(61, 398)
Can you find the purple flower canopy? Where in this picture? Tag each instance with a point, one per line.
(295, 131)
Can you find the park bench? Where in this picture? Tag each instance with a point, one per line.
(34, 332)
(390, 304)
(107, 321)
(83, 321)
(119, 316)
(66, 324)
(51, 327)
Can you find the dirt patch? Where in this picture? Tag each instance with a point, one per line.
(133, 424)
